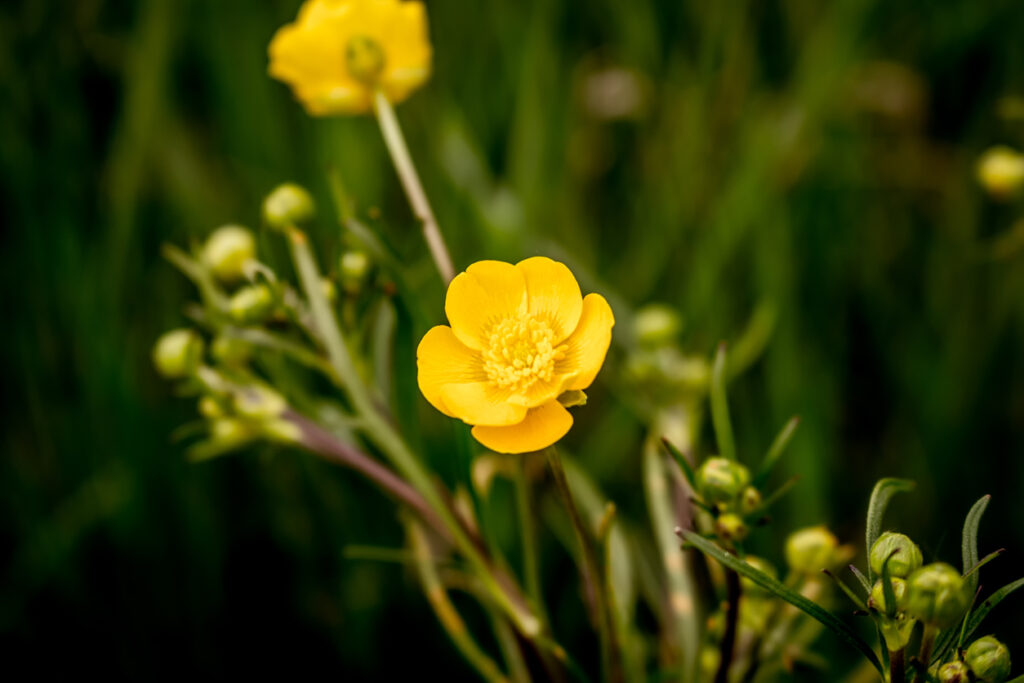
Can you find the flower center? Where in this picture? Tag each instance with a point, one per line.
(364, 58)
(520, 352)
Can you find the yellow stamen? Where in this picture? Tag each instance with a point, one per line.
(520, 352)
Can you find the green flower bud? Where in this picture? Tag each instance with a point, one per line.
(906, 556)
(227, 251)
(731, 528)
(954, 672)
(354, 267)
(810, 550)
(252, 304)
(936, 594)
(281, 431)
(720, 480)
(1001, 172)
(752, 589)
(288, 205)
(229, 432)
(750, 500)
(877, 597)
(989, 660)
(230, 351)
(657, 325)
(210, 408)
(178, 353)
(259, 403)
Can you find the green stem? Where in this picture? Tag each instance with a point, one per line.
(383, 434)
(597, 600)
(924, 656)
(395, 141)
(732, 613)
(531, 568)
(446, 612)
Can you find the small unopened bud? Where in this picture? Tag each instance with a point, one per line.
(750, 500)
(227, 251)
(989, 660)
(749, 587)
(730, 527)
(657, 325)
(259, 403)
(229, 432)
(936, 594)
(954, 672)
(720, 480)
(905, 555)
(354, 266)
(210, 408)
(178, 353)
(364, 58)
(877, 597)
(230, 351)
(810, 550)
(1001, 172)
(252, 304)
(288, 205)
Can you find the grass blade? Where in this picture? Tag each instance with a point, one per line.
(826, 618)
(720, 406)
(863, 579)
(681, 459)
(970, 541)
(776, 450)
(884, 490)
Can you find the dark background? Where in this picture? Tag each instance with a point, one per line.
(815, 156)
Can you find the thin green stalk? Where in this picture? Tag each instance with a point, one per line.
(384, 435)
(527, 530)
(924, 656)
(446, 612)
(597, 599)
(395, 141)
(732, 617)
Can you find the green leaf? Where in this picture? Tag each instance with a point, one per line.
(888, 594)
(970, 541)
(883, 492)
(860, 577)
(854, 598)
(775, 451)
(720, 407)
(684, 463)
(985, 560)
(829, 620)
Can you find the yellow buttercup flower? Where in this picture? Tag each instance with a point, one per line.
(338, 53)
(521, 336)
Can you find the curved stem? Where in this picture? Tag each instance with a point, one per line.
(395, 141)
(446, 612)
(597, 600)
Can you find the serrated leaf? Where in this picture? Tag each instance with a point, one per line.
(883, 492)
(776, 450)
(720, 407)
(969, 543)
(826, 618)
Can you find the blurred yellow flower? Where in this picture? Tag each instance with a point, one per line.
(339, 52)
(1001, 171)
(521, 336)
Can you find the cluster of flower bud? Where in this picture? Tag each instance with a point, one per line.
(986, 660)
(724, 486)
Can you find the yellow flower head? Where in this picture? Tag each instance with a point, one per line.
(521, 336)
(339, 52)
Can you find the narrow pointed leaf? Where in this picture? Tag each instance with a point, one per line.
(826, 618)
(682, 460)
(888, 594)
(970, 541)
(720, 406)
(985, 560)
(883, 492)
(860, 577)
(974, 619)
(854, 598)
(776, 450)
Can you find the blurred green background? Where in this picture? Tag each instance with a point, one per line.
(715, 156)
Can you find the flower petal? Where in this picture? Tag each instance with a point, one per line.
(442, 359)
(588, 344)
(541, 427)
(487, 292)
(478, 403)
(552, 294)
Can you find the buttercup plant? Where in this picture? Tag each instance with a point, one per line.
(307, 364)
